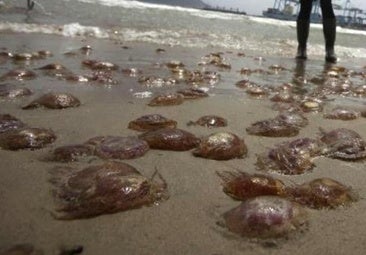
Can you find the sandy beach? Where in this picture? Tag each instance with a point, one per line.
(187, 222)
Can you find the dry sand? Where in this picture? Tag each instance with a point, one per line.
(187, 222)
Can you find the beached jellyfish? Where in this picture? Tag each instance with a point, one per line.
(241, 185)
(118, 147)
(70, 153)
(287, 107)
(209, 121)
(260, 71)
(359, 90)
(28, 56)
(322, 193)
(76, 78)
(338, 86)
(170, 139)
(104, 77)
(285, 96)
(194, 77)
(335, 70)
(54, 100)
(131, 72)
(56, 70)
(24, 56)
(151, 122)
(174, 64)
(103, 189)
(241, 54)
(265, 217)
(293, 118)
(192, 93)
(363, 113)
(311, 105)
(197, 78)
(221, 146)
(245, 71)
(277, 68)
(52, 66)
(10, 91)
(213, 58)
(22, 249)
(273, 128)
(167, 99)
(149, 80)
(71, 250)
(43, 53)
(257, 91)
(292, 157)
(99, 65)
(216, 59)
(6, 54)
(84, 50)
(340, 113)
(223, 65)
(285, 87)
(243, 84)
(344, 88)
(160, 50)
(19, 74)
(180, 73)
(9, 122)
(343, 143)
(156, 82)
(26, 138)
(211, 77)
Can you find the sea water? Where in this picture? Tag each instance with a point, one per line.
(133, 21)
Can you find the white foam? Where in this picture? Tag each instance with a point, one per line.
(30, 28)
(264, 20)
(218, 15)
(134, 4)
(350, 31)
(290, 23)
(75, 29)
(68, 30)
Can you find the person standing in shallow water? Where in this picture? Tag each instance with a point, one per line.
(329, 28)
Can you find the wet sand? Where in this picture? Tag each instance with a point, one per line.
(187, 222)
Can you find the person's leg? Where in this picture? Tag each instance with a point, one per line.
(30, 4)
(302, 27)
(329, 29)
